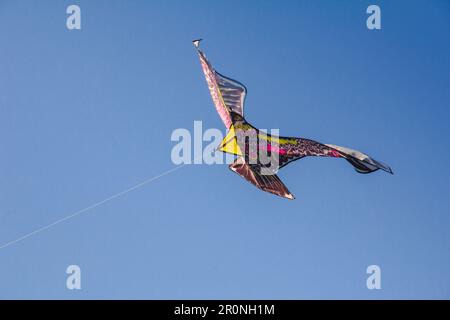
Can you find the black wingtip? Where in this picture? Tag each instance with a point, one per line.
(388, 170)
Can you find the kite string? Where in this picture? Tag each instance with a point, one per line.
(92, 206)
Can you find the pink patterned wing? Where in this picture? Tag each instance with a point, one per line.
(227, 94)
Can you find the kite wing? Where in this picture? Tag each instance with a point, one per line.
(360, 161)
(227, 94)
(252, 173)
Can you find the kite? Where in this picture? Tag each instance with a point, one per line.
(260, 155)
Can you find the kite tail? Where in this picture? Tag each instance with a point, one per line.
(360, 161)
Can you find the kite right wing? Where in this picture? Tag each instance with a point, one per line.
(252, 173)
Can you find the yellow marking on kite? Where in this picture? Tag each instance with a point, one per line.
(277, 140)
(229, 143)
(244, 126)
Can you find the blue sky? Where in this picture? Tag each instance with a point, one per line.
(87, 114)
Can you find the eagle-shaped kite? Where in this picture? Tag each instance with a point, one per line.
(260, 155)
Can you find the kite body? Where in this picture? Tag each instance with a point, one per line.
(261, 155)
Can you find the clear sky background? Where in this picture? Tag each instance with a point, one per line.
(87, 114)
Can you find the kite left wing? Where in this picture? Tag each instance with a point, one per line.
(228, 95)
